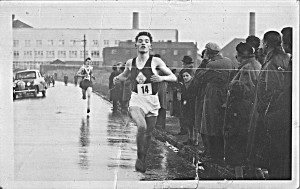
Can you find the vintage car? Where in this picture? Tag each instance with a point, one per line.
(29, 82)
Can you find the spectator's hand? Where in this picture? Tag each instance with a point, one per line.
(116, 80)
(156, 78)
(178, 96)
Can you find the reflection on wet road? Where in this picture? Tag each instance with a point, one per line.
(84, 142)
(56, 141)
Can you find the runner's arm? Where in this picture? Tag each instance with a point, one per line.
(168, 74)
(79, 72)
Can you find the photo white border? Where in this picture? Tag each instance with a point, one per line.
(7, 132)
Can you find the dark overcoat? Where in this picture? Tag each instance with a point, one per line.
(216, 78)
(115, 89)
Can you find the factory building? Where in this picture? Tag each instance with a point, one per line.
(35, 46)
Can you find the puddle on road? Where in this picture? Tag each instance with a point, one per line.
(84, 142)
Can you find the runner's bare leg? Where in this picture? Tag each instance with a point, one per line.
(151, 122)
(143, 138)
(89, 94)
(83, 93)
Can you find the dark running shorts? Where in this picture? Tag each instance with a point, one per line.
(84, 84)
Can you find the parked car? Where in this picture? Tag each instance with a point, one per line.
(29, 82)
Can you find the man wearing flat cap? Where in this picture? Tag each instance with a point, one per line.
(216, 76)
(187, 63)
(212, 48)
(239, 104)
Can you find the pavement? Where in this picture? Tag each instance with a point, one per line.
(170, 137)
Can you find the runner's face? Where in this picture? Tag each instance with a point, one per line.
(88, 62)
(143, 44)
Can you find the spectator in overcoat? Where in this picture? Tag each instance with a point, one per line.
(187, 63)
(287, 43)
(188, 104)
(125, 92)
(268, 124)
(115, 89)
(239, 104)
(200, 91)
(216, 78)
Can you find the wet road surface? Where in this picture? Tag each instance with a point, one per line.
(54, 140)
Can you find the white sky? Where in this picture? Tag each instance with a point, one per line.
(197, 21)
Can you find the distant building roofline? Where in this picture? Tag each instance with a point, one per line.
(17, 24)
(233, 40)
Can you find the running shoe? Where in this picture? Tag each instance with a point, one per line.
(140, 166)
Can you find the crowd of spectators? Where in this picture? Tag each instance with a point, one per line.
(241, 112)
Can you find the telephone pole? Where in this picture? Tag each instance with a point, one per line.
(84, 43)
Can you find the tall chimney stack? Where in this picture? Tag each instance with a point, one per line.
(252, 24)
(135, 21)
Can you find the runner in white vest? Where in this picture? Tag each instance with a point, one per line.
(86, 83)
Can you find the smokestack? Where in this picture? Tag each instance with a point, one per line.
(252, 24)
(135, 21)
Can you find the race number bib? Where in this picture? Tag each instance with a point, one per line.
(144, 89)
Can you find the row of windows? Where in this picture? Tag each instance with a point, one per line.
(60, 54)
(39, 43)
(29, 62)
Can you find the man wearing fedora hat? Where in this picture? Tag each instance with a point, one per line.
(187, 60)
(187, 64)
